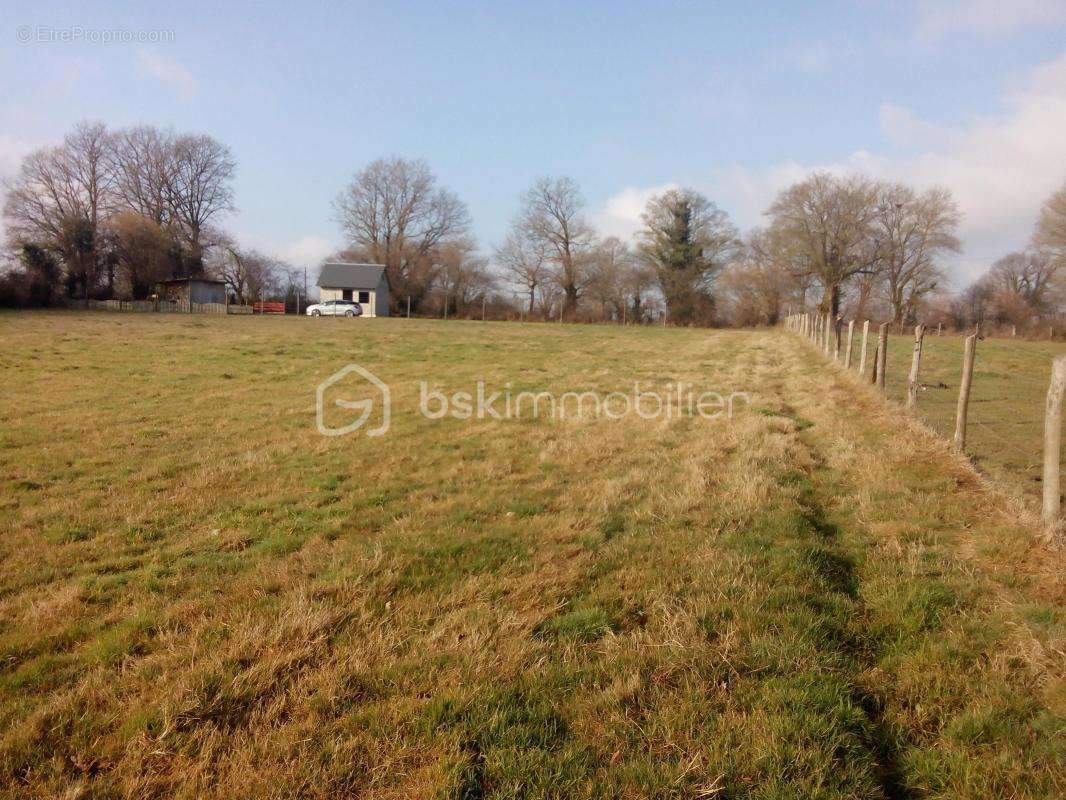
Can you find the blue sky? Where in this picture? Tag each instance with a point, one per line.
(734, 99)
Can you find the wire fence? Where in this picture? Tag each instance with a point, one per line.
(1004, 421)
(1005, 418)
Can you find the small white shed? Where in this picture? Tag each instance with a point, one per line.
(366, 284)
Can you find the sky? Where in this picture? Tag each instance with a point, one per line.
(734, 99)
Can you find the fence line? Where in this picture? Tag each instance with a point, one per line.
(826, 334)
(160, 306)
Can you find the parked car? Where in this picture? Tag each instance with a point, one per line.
(335, 308)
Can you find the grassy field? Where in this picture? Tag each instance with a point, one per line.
(1005, 433)
(203, 597)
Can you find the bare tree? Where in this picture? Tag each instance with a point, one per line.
(863, 297)
(687, 240)
(550, 300)
(250, 275)
(552, 217)
(142, 162)
(1051, 228)
(394, 213)
(140, 248)
(524, 263)
(39, 199)
(911, 232)
(104, 203)
(59, 199)
(759, 284)
(464, 279)
(57, 183)
(610, 280)
(829, 221)
(1025, 285)
(977, 299)
(640, 284)
(198, 188)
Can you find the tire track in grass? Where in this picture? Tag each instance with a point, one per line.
(961, 708)
(836, 568)
(822, 555)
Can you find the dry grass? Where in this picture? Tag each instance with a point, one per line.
(1005, 434)
(203, 597)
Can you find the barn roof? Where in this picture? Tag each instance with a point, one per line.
(345, 275)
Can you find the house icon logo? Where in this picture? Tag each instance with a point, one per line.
(365, 406)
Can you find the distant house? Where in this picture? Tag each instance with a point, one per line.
(367, 284)
(195, 290)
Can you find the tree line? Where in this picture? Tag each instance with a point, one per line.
(551, 264)
(829, 241)
(110, 213)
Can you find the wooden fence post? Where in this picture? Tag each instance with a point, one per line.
(851, 337)
(882, 350)
(865, 337)
(828, 329)
(964, 392)
(1053, 441)
(912, 380)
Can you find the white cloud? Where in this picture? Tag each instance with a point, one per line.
(745, 193)
(903, 128)
(306, 251)
(167, 71)
(937, 18)
(1001, 169)
(620, 215)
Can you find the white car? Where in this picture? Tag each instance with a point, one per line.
(335, 308)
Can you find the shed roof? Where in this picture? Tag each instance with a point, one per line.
(345, 275)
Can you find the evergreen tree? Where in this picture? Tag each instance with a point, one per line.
(686, 240)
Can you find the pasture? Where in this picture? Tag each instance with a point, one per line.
(202, 596)
(1005, 435)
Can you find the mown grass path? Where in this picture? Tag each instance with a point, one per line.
(203, 597)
